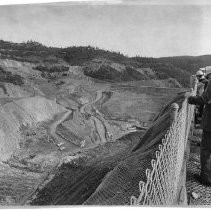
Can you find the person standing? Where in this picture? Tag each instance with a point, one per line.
(202, 83)
(200, 75)
(205, 148)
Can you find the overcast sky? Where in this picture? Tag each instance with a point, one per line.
(132, 29)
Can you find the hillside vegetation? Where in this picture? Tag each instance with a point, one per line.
(102, 64)
(8, 77)
(188, 63)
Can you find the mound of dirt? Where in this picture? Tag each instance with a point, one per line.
(22, 112)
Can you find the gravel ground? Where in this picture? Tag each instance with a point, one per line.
(198, 194)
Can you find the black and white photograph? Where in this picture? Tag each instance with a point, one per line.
(105, 103)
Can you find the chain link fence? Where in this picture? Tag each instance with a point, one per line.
(162, 179)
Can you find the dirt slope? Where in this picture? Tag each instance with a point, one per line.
(81, 173)
(22, 112)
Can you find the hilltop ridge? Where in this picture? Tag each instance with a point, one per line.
(106, 65)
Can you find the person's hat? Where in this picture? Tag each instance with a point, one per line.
(199, 73)
(208, 70)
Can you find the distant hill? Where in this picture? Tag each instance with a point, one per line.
(165, 70)
(188, 63)
(106, 65)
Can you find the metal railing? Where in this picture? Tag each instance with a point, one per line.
(161, 186)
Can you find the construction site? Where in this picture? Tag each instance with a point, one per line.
(85, 141)
(62, 136)
(95, 105)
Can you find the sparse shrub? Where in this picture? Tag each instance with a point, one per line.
(8, 77)
(51, 69)
(60, 83)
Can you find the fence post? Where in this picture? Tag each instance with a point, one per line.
(174, 112)
(193, 81)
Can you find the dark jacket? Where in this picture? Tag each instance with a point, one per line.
(204, 99)
(205, 82)
(201, 86)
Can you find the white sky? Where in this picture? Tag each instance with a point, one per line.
(145, 28)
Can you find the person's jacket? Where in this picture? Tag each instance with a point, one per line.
(200, 88)
(204, 99)
(205, 82)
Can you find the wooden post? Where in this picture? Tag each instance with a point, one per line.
(174, 112)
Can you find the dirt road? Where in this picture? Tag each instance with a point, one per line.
(61, 117)
(58, 119)
(98, 97)
(99, 125)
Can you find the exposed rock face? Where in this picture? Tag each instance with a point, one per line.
(22, 112)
